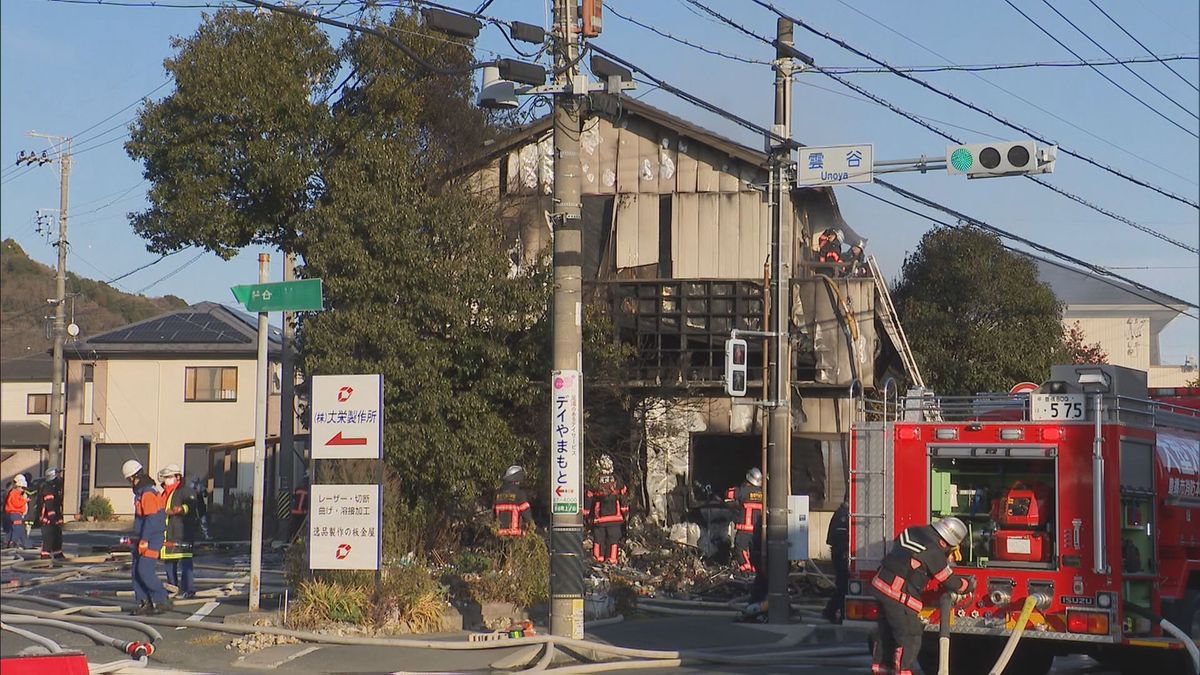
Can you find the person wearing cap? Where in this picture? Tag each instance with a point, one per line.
(183, 523)
(149, 528)
(15, 505)
(919, 554)
(50, 514)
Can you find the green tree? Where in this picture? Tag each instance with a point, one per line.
(339, 153)
(976, 315)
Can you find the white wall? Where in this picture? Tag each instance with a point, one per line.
(13, 399)
(1127, 340)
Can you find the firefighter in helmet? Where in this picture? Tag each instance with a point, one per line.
(918, 555)
(513, 518)
(50, 514)
(149, 534)
(829, 246)
(608, 506)
(746, 502)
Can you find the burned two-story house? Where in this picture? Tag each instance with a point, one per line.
(676, 234)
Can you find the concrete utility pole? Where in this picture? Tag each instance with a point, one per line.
(287, 393)
(63, 150)
(779, 483)
(566, 529)
(262, 381)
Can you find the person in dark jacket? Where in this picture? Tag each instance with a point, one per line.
(918, 555)
(838, 539)
(829, 247)
(511, 507)
(149, 528)
(746, 502)
(50, 514)
(608, 506)
(183, 525)
(854, 262)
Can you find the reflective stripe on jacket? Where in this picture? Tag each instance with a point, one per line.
(511, 509)
(149, 519)
(607, 504)
(747, 504)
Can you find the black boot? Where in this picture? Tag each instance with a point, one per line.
(142, 609)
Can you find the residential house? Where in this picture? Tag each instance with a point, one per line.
(24, 415)
(1124, 320)
(164, 391)
(676, 233)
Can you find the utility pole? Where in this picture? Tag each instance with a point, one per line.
(566, 529)
(779, 483)
(262, 380)
(287, 393)
(62, 146)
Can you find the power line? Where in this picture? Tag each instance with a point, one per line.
(985, 67)
(695, 100)
(922, 122)
(1031, 255)
(172, 273)
(957, 99)
(1139, 42)
(1111, 81)
(1126, 67)
(1016, 95)
(683, 41)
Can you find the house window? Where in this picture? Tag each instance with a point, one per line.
(110, 457)
(195, 465)
(37, 404)
(210, 383)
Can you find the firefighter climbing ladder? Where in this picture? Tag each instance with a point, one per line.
(891, 324)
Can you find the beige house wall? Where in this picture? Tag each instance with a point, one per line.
(141, 401)
(1126, 339)
(13, 399)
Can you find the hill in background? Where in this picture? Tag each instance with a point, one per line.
(25, 284)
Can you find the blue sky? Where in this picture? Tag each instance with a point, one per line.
(68, 67)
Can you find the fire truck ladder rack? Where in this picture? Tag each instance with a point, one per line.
(891, 324)
(870, 519)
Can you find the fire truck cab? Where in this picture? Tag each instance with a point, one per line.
(1083, 494)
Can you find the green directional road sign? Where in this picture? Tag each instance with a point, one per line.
(285, 296)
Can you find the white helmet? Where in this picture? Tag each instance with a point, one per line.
(20, 481)
(170, 470)
(754, 477)
(514, 473)
(606, 464)
(131, 468)
(53, 473)
(951, 529)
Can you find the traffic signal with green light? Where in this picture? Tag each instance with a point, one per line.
(982, 160)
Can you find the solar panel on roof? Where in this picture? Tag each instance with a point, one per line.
(179, 328)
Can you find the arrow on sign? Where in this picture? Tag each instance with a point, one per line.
(338, 440)
(558, 491)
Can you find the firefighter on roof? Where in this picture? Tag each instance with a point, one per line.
(512, 506)
(607, 509)
(829, 246)
(50, 515)
(918, 555)
(746, 501)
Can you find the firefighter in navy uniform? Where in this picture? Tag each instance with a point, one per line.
(746, 502)
(608, 506)
(50, 514)
(838, 539)
(918, 555)
(511, 507)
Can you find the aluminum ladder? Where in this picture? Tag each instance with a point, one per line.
(891, 324)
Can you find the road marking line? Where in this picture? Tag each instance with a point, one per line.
(201, 613)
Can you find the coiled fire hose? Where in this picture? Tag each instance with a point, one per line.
(1018, 631)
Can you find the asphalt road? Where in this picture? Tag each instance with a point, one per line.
(199, 650)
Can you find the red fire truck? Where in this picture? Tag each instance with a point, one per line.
(1083, 495)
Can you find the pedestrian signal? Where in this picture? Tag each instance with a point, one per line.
(735, 367)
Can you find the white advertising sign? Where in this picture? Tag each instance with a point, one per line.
(347, 416)
(565, 420)
(1062, 407)
(344, 527)
(836, 165)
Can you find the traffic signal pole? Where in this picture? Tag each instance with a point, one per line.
(779, 435)
(566, 529)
